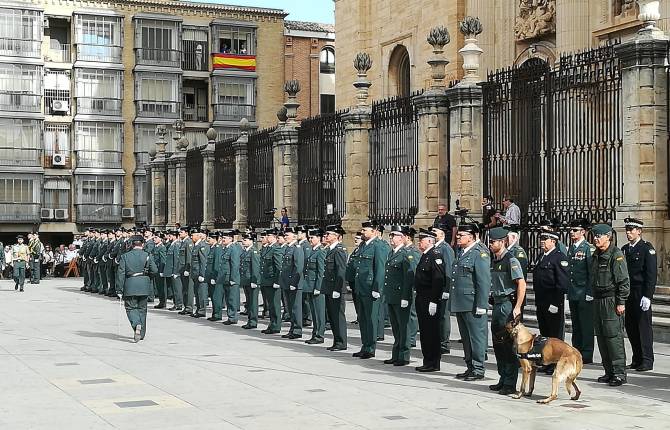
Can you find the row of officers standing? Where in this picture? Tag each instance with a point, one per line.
(416, 288)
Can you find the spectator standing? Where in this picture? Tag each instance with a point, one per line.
(284, 221)
(445, 221)
(47, 261)
(512, 215)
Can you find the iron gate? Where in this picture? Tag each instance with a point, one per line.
(224, 184)
(194, 187)
(321, 170)
(261, 179)
(394, 155)
(553, 139)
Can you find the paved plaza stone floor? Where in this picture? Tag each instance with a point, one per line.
(62, 365)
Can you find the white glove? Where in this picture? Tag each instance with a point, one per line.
(201, 279)
(174, 276)
(445, 296)
(376, 295)
(480, 311)
(432, 308)
(275, 286)
(336, 295)
(95, 260)
(553, 309)
(119, 295)
(186, 273)
(160, 274)
(588, 298)
(291, 287)
(254, 285)
(317, 292)
(645, 304)
(212, 281)
(103, 259)
(232, 282)
(404, 303)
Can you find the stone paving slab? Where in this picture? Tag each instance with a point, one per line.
(66, 362)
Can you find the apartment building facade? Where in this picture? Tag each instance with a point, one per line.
(83, 85)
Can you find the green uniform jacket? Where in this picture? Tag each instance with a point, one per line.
(609, 275)
(185, 254)
(414, 256)
(371, 268)
(83, 250)
(292, 267)
(131, 279)
(93, 252)
(235, 254)
(159, 256)
(399, 278)
(199, 259)
(519, 253)
(448, 260)
(112, 249)
(306, 251)
(335, 267)
(270, 264)
(352, 266)
(213, 263)
(149, 247)
(314, 270)
(250, 266)
(172, 259)
(579, 270)
(471, 281)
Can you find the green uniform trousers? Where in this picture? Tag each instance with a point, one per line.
(399, 318)
(102, 273)
(187, 293)
(160, 289)
(581, 313)
(232, 295)
(295, 308)
(216, 293)
(84, 270)
(19, 273)
(35, 270)
(335, 309)
(506, 360)
(306, 308)
(608, 327)
(368, 318)
(136, 309)
(474, 332)
(382, 317)
(317, 307)
(111, 278)
(445, 326)
(200, 291)
(413, 323)
(251, 296)
(273, 305)
(177, 292)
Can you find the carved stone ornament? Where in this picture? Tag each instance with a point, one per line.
(362, 62)
(624, 8)
(536, 18)
(438, 37)
(282, 114)
(292, 87)
(211, 134)
(470, 27)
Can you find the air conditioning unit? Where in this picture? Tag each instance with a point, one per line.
(127, 212)
(58, 159)
(61, 214)
(47, 213)
(60, 106)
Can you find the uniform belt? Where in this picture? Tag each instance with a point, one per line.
(134, 275)
(502, 299)
(604, 295)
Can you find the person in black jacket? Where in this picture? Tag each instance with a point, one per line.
(550, 283)
(641, 261)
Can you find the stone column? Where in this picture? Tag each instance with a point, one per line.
(285, 154)
(433, 112)
(208, 180)
(177, 203)
(158, 218)
(357, 149)
(645, 134)
(242, 177)
(171, 164)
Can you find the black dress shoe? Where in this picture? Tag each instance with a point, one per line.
(82, 289)
(380, 338)
(229, 322)
(213, 319)
(21, 290)
(16, 287)
(465, 374)
(337, 348)
(617, 381)
(413, 345)
(473, 377)
(401, 363)
(294, 336)
(357, 354)
(183, 312)
(244, 313)
(248, 327)
(286, 336)
(633, 365)
(506, 390)
(496, 387)
(644, 368)
(307, 323)
(389, 361)
(160, 306)
(198, 315)
(313, 341)
(268, 331)
(366, 355)
(426, 369)
(176, 308)
(605, 379)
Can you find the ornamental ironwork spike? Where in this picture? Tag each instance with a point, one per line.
(292, 87)
(471, 27)
(362, 62)
(438, 36)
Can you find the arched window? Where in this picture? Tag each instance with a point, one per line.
(327, 60)
(399, 72)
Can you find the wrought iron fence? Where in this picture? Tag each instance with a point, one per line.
(394, 161)
(224, 184)
(194, 187)
(553, 139)
(321, 170)
(261, 181)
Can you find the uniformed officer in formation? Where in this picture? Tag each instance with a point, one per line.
(271, 263)
(448, 257)
(290, 281)
(468, 299)
(611, 287)
(313, 283)
(35, 248)
(171, 271)
(198, 266)
(508, 290)
(552, 226)
(133, 283)
(333, 286)
(515, 248)
(642, 266)
(250, 261)
(20, 258)
(580, 296)
(303, 242)
(413, 323)
(186, 284)
(230, 265)
(352, 268)
(159, 255)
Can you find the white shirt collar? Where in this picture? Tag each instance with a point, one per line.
(439, 242)
(431, 247)
(314, 248)
(367, 242)
(293, 243)
(547, 253)
(576, 244)
(469, 247)
(333, 245)
(397, 248)
(632, 245)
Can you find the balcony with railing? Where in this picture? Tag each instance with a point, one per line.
(141, 213)
(99, 159)
(20, 47)
(196, 61)
(158, 109)
(98, 213)
(234, 112)
(195, 113)
(20, 157)
(20, 102)
(20, 212)
(98, 106)
(158, 57)
(59, 52)
(99, 53)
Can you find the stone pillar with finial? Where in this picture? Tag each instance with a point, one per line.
(433, 113)
(208, 180)
(242, 176)
(177, 177)
(158, 217)
(357, 149)
(644, 77)
(465, 126)
(285, 153)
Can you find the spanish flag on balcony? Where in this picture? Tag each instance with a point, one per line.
(233, 61)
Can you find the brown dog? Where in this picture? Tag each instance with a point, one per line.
(567, 359)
